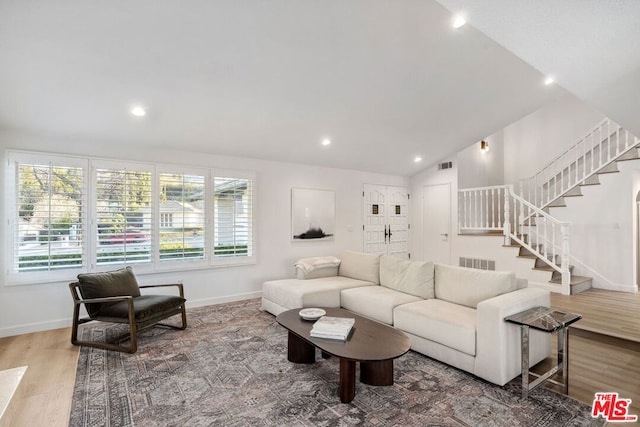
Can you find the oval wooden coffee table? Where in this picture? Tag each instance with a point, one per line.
(371, 343)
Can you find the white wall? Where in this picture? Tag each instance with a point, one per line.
(535, 140)
(26, 308)
(603, 229)
(431, 176)
(480, 168)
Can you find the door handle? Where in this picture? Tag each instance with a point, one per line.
(385, 234)
(445, 234)
(389, 233)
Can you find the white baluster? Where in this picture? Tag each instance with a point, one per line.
(593, 154)
(584, 158)
(577, 161)
(564, 267)
(507, 225)
(545, 241)
(600, 144)
(608, 142)
(487, 207)
(493, 214)
(553, 243)
(465, 197)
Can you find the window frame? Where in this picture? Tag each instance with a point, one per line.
(183, 264)
(12, 206)
(89, 218)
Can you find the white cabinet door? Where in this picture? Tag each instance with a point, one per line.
(386, 220)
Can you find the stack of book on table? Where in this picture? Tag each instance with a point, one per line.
(335, 328)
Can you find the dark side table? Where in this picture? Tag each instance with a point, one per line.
(547, 320)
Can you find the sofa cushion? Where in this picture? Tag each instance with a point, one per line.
(361, 266)
(295, 293)
(375, 302)
(469, 286)
(146, 307)
(108, 284)
(411, 277)
(449, 324)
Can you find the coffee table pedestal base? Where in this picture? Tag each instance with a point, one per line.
(300, 351)
(378, 373)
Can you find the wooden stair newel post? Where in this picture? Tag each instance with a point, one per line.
(564, 266)
(507, 214)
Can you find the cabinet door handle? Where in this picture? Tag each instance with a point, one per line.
(385, 234)
(389, 233)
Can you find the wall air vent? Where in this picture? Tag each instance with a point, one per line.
(445, 165)
(481, 264)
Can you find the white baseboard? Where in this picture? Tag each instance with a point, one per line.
(221, 300)
(620, 288)
(28, 328)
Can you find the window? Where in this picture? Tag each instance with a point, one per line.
(233, 217)
(166, 219)
(182, 217)
(123, 215)
(46, 214)
(69, 215)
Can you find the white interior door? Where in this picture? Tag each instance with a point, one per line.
(386, 220)
(436, 211)
(375, 240)
(398, 221)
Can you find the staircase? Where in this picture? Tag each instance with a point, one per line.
(525, 218)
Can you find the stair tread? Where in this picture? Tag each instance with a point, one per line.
(544, 268)
(530, 256)
(575, 280)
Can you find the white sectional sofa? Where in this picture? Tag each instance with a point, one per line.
(452, 314)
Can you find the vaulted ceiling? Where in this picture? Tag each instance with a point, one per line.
(386, 80)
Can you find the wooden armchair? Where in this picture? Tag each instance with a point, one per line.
(115, 297)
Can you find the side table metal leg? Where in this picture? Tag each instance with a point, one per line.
(563, 357)
(524, 367)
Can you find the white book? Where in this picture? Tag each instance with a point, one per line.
(338, 337)
(338, 327)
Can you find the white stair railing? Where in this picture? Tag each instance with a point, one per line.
(500, 208)
(604, 144)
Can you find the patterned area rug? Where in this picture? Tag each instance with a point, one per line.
(230, 368)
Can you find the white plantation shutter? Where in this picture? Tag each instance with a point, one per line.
(123, 215)
(182, 217)
(233, 217)
(69, 214)
(49, 214)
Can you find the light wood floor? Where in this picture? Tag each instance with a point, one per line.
(43, 397)
(596, 363)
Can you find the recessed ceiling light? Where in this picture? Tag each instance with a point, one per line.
(138, 111)
(458, 21)
(548, 80)
(326, 142)
(417, 159)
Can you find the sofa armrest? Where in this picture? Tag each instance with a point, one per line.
(498, 354)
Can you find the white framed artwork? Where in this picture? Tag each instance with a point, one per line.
(313, 214)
